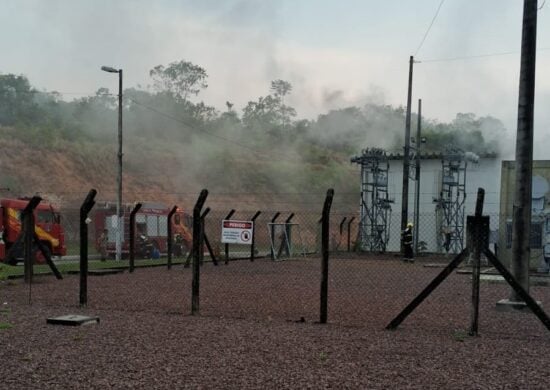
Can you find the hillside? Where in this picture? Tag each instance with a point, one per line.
(159, 171)
(261, 157)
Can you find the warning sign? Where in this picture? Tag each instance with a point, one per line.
(237, 232)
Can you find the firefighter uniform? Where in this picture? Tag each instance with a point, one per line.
(407, 236)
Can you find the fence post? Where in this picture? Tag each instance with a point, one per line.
(169, 237)
(197, 222)
(287, 228)
(349, 233)
(272, 234)
(252, 246)
(27, 217)
(84, 210)
(287, 236)
(136, 208)
(476, 240)
(227, 245)
(341, 231)
(204, 239)
(325, 226)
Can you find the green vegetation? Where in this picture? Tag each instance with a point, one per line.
(8, 272)
(5, 325)
(168, 129)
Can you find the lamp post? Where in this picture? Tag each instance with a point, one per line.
(119, 155)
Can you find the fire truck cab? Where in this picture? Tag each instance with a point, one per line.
(47, 227)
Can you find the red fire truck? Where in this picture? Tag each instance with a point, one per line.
(151, 226)
(47, 227)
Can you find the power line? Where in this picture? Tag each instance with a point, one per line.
(429, 28)
(504, 53)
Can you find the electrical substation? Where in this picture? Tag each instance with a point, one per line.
(375, 206)
(452, 196)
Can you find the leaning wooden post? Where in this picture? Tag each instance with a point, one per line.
(133, 235)
(476, 234)
(197, 222)
(169, 238)
(325, 254)
(84, 210)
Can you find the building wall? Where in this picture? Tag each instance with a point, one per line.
(541, 212)
(485, 174)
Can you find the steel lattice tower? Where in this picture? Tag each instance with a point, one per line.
(375, 213)
(450, 204)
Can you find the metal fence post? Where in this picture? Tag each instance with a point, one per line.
(27, 217)
(169, 237)
(197, 222)
(349, 233)
(84, 211)
(325, 254)
(287, 236)
(252, 246)
(205, 241)
(136, 208)
(227, 245)
(272, 234)
(476, 240)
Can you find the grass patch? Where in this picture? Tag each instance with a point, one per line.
(459, 335)
(7, 271)
(5, 325)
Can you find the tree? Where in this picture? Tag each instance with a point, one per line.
(181, 79)
(263, 114)
(16, 100)
(280, 89)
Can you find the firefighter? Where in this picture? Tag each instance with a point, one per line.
(102, 244)
(178, 245)
(407, 237)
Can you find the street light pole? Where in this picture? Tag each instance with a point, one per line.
(119, 157)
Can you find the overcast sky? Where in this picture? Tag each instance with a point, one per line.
(335, 53)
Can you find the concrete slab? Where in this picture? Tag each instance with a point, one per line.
(497, 279)
(506, 305)
(73, 320)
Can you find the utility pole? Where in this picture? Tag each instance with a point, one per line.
(120, 221)
(417, 177)
(406, 162)
(521, 229)
(119, 212)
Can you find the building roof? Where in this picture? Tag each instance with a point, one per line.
(436, 156)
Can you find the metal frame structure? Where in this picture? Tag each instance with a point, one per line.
(450, 204)
(375, 207)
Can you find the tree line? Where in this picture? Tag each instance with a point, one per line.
(169, 109)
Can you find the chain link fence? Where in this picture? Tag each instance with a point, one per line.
(277, 274)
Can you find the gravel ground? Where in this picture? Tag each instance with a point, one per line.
(257, 329)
